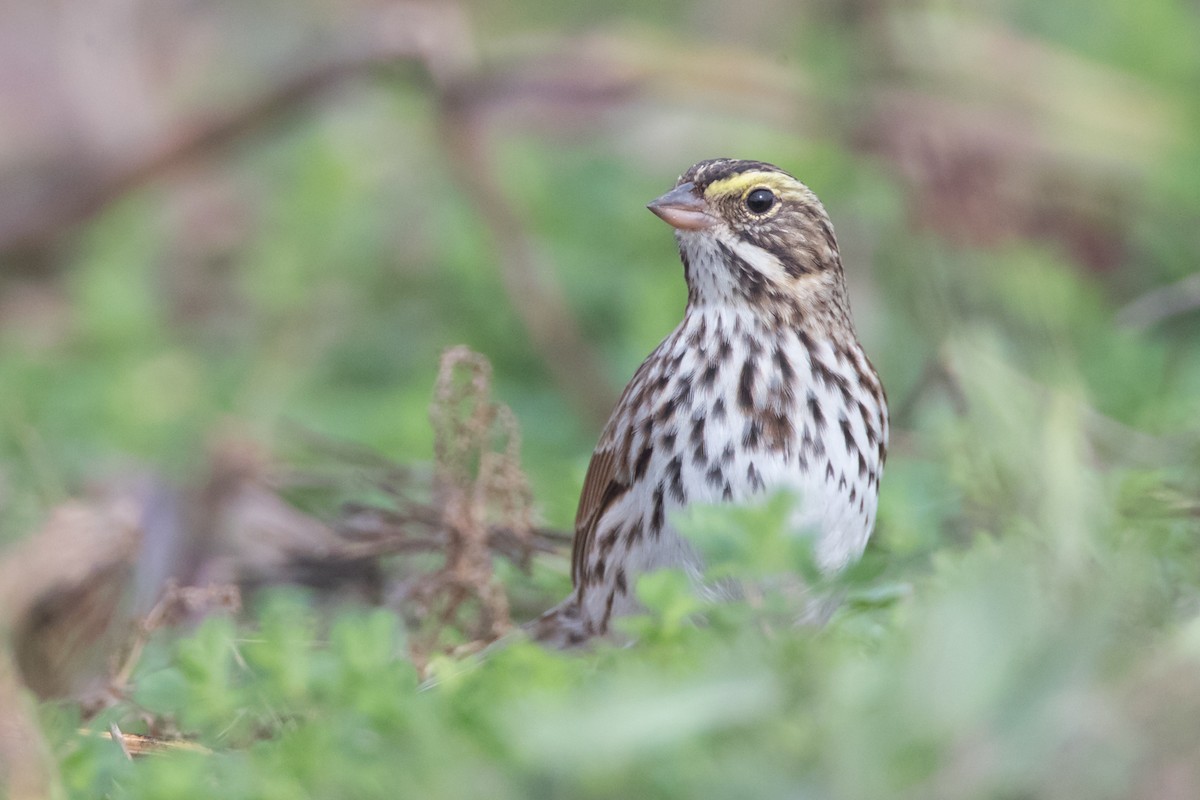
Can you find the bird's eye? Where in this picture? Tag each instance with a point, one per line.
(760, 201)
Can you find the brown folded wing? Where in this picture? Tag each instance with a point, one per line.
(601, 488)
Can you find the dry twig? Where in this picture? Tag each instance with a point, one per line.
(477, 476)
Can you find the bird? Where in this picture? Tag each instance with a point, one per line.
(763, 386)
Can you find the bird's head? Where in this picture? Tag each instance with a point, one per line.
(750, 232)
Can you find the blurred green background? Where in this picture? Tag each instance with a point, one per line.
(282, 212)
(394, 179)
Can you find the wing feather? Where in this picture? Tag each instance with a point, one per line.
(601, 488)
(608, 477)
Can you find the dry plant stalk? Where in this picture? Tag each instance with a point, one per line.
(477, 481)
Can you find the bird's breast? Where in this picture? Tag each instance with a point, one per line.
(731, 409)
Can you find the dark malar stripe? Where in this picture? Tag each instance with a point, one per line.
(687, 266)
(794, 260)
(753, 282)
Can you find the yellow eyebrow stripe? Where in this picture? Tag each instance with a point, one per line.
(736, 185)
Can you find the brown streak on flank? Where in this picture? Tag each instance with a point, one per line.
(753, 345)
(633, 534)
(608, 607)
(714, 477)
(683, 395)
(608, 541)
(822, 372)
(666, 411)
(848, 435)
(778, 430)
(751, 434)
(754, 479)
(784, 366)
(643, 461)
(868, 424)
(675, 476)
(724, 349)
(814, 411)
(843, 386)
(746, 385)
(805, 339)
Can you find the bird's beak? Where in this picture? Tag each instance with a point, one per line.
(684, 208)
